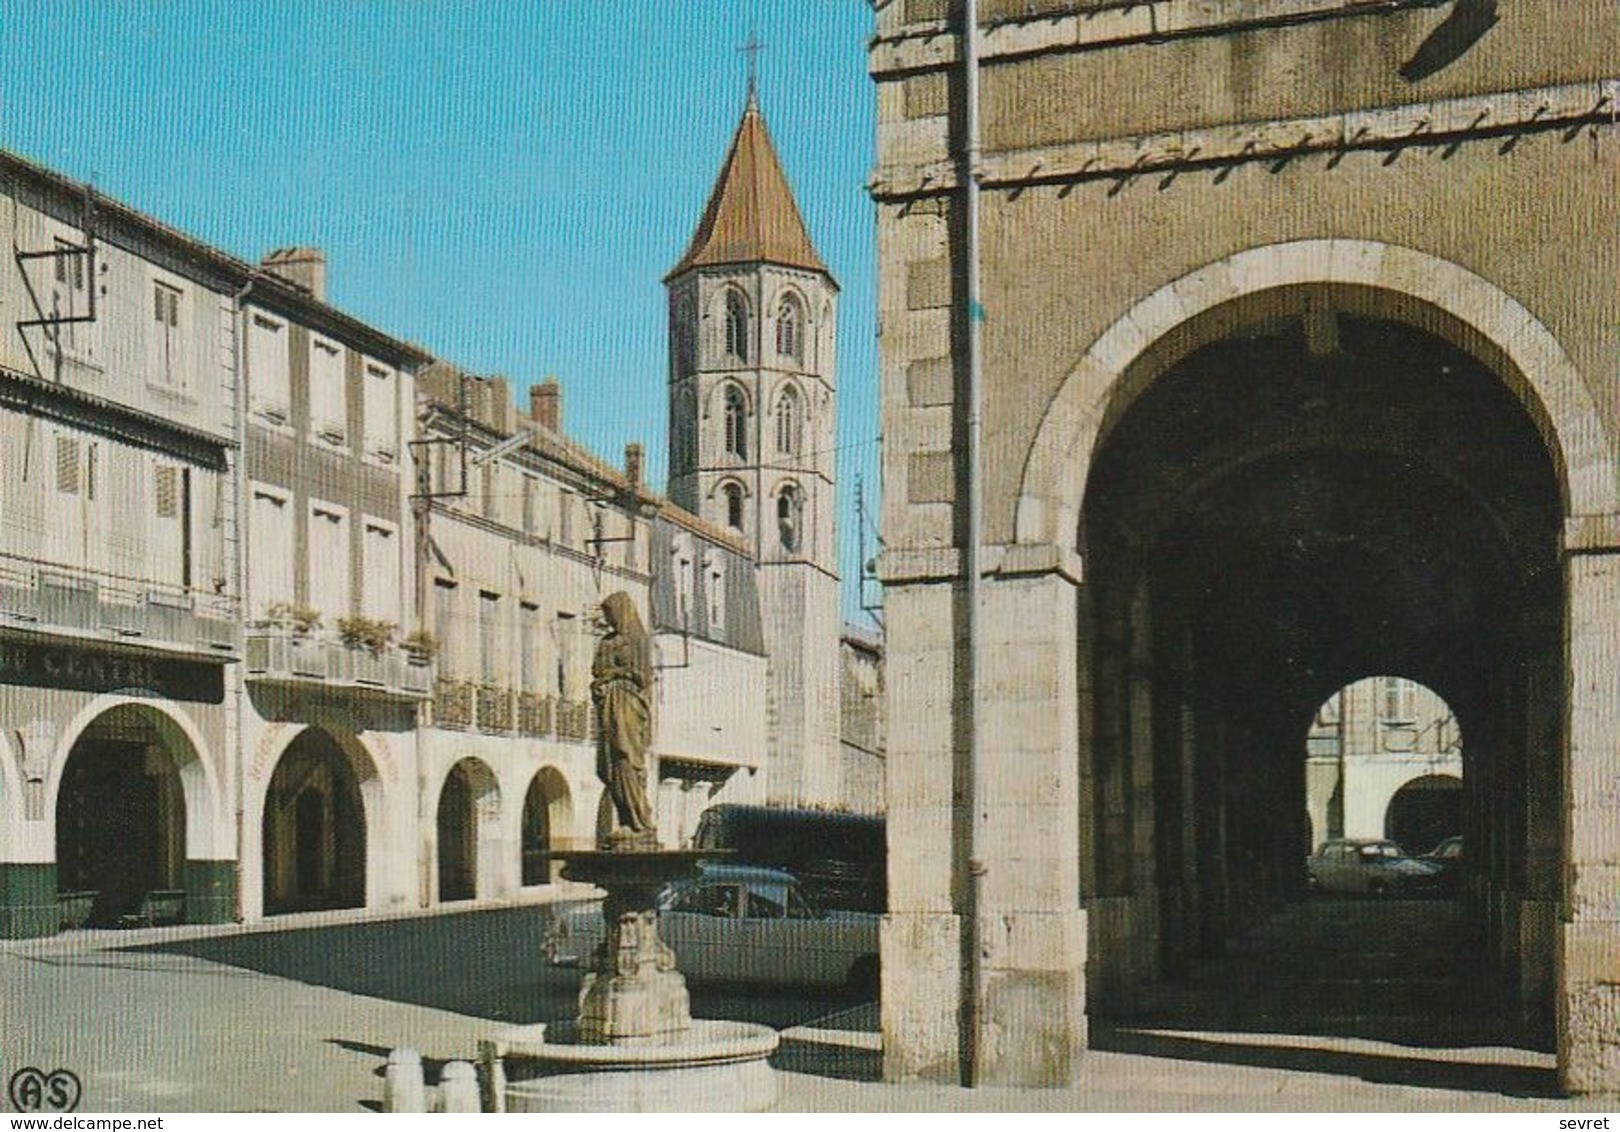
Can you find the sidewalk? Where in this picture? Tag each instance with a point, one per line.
(833, 1065)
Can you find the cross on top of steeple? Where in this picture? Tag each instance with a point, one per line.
(752, 48)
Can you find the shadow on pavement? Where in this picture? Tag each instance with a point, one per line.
(1382, 1069)
(483, 963)
(1330, 971)
(820, 1059)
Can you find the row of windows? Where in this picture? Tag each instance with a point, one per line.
(79, 501)
(695, 577)
(789, 418)
(552, 653)
(790, 328)
(272, 544)
(168, 329)
(537, 506)
(789, 513)
(269, 353)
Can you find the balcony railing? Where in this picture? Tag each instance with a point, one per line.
(453, 703)
(469, 705)
(279, 655)
(573, 720)
(37, 598)
(534, 714)
(494, 707)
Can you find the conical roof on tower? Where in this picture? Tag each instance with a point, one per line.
(751, 215)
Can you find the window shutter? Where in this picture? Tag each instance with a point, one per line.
(168, 493)
(67, 465)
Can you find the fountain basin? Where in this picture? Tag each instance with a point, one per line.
(715, 1066)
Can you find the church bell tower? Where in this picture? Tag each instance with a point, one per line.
(752, 411)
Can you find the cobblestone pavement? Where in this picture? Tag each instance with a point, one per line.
(300, 1017)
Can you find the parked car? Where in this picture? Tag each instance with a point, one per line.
(1376, 868)
(740, 924)
(1448, 858)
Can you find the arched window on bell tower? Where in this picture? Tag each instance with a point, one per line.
(732, 495)
(684, 427)
(789, 422)
(736, 327)
(790, 329)
(790, 518)
(736, 418)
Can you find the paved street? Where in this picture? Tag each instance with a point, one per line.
(301, 1018)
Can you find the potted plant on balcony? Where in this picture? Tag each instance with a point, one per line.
(420, 647)
(301, 620)
(365, 639)
(369, 633)
(296, 626)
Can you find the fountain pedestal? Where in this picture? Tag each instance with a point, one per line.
(634, 1046)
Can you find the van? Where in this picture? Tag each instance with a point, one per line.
(839, 859)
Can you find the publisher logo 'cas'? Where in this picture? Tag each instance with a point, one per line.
(34, 1090)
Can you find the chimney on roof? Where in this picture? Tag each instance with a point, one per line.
(545, 404)
(304, 268)
(635, 459)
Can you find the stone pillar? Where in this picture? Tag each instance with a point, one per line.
(1589, 935)
(921, 935)
(1030, 929)
(1024, 879)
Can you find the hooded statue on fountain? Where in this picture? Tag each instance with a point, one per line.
(621, 678)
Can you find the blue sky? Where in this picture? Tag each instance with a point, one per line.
(505, 183)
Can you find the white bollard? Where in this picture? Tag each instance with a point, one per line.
(458, 1087)
(403, 1090)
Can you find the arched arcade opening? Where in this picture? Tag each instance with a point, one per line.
(1424, 812)
(547, 814)
(314, 827)
(131, 788)
(468, 828)
(1318, 491)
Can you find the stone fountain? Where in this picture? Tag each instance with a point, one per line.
(634, 1045)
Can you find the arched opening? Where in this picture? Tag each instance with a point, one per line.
(121, 817)
(1376, 740)
(733, 495)
(1424, 812)
(546, 821)
(736, 328)
(789, 422)
(314, 828)
(1315, 493)
(790, 329)
(468, 832)
(736, 422)
(790, 518)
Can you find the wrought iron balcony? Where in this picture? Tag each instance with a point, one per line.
(573, 720)
(534, 714)
(468, 705)
(280, 655)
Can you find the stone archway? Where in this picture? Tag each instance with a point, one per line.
(1094, 684)
(1280, 281)
(135, 812)
(1424, 812)
(547, 825)
(468, 825)
(314, 826)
